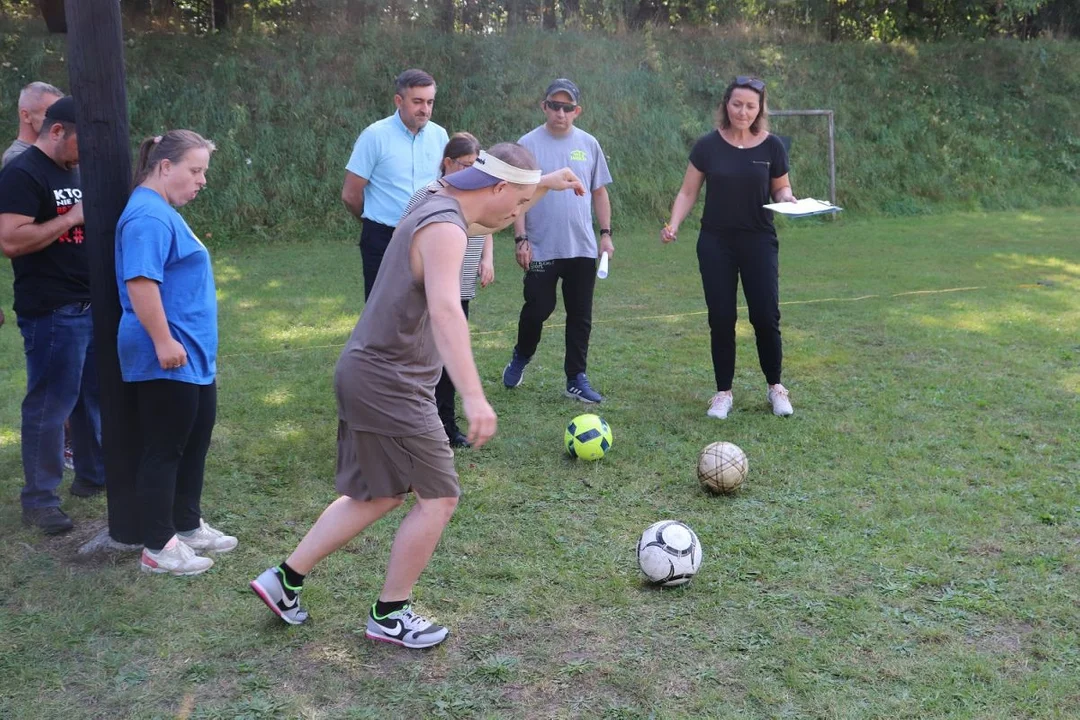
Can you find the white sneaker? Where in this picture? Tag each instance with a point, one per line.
(176, 558)
(720, 405)
(208, 539)
(779, 399)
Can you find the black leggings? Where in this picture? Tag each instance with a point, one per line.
(723, 259)
(578, 281)
(444, 392)
(176, 420)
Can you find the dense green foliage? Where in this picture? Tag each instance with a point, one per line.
(963, 125)
(831, 19)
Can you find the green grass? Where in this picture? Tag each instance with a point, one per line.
(905, 546)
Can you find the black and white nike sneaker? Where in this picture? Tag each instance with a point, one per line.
(279, 597)
(406, 628)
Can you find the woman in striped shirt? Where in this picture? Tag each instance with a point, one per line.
(459, 154)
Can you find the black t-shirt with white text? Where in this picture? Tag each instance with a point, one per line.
(737, 182)
(58, 274)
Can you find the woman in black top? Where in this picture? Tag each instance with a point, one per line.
(743, 167)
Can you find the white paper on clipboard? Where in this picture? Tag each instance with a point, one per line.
(803, 208)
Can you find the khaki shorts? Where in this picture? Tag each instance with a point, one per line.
(377, 466)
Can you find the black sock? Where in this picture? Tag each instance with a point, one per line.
(382, 609)
(293, 579)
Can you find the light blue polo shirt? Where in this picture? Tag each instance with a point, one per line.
(396, 164)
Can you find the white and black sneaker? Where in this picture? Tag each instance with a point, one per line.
(406, 628)
(279, 597)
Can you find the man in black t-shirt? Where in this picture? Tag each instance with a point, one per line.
(41, 230)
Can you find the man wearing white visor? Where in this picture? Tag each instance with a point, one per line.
(391, 441)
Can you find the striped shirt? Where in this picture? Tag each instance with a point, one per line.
(470, 269)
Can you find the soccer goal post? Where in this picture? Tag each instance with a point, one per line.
(828, 115)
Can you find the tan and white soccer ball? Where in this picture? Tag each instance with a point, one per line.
(722, 467)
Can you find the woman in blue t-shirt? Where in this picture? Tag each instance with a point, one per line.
(743, 167)
(167, 343)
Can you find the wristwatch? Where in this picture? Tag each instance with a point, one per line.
(605, 231)
(520, 239)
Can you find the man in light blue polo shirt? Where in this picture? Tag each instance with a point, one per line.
(392, 159)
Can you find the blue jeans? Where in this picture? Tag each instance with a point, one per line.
(61, 382)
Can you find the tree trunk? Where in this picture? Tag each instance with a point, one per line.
(221, 14)
(97, 79)
(548, 14)
(571, 11)
(515, 13)
(444, 20)
(53, 13)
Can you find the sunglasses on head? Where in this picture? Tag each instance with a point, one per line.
(556, 106)
(750, 82)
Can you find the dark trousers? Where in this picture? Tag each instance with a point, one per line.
(374, 237)
(444, 393)
(176, 420)
(578, 280)
(723, 259)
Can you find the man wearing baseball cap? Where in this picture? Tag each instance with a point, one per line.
(41, 230)
(391, 441)
(555, 240)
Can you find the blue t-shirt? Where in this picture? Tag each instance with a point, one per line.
(153, 241)
(396, 164)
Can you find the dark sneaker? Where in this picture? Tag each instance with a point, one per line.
(279, 597)
(458, 439)
(515, 370)
(50, 520)
(406, 628)
(580, 389)
(85, 488)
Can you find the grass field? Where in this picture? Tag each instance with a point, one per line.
(906, 545)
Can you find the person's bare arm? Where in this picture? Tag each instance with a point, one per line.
(780, 188)
(352, 194)
(145, 295)
(440, 249)
(20, 235)
(602, 207)
(684, 202)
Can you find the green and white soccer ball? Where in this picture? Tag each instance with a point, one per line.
(587, 437)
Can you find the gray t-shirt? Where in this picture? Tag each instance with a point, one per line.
(560, 225)
(16, 149)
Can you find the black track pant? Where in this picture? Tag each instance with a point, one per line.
(723, 259)
(176, 420)
(578, 277)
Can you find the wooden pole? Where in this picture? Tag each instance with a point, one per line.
(97, 77)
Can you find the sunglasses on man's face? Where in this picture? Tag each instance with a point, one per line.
(750, 82)
(555, 106)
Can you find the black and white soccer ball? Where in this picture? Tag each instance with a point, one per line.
(669, 553)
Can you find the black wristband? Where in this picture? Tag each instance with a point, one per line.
(605, 231)
(520, 239)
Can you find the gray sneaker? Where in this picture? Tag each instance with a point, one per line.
(279, 597)
(406, 628)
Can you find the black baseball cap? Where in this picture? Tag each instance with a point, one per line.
(566, 86)
(63, 110)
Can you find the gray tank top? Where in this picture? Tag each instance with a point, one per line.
(386, 375)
